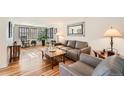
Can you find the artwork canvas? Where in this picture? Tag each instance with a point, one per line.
(10, 30)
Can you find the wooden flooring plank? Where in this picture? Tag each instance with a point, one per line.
(31, 64)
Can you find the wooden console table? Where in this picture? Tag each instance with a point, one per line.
(14, 52)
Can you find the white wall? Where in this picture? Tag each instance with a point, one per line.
(95, 29)
(3, 42)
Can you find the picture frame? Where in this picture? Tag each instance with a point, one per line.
(9, 29)
(76, 29)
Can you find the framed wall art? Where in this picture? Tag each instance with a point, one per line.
(76, 29)
(9, 30)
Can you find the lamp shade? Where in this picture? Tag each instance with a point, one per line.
(112, 33)
(60, 34)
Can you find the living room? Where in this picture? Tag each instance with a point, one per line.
(66, 46)
(84, 29)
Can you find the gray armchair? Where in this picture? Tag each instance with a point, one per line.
(92, 66)
(84, 66)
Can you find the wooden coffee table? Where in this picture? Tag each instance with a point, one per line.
(54, 56)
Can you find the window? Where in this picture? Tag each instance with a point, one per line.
(32, 32)
(51, 32)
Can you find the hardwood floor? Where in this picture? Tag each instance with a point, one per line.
(31, 64)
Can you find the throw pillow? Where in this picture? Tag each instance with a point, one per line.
(71, 43)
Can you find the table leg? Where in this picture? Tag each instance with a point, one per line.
(42, 54)
(64, 59)
(52, 62)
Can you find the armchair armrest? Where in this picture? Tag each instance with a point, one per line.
(86, 50)
(67, 71)
(88, 59)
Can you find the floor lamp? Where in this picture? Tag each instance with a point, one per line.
(112, 33)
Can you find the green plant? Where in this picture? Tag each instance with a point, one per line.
(43, 36)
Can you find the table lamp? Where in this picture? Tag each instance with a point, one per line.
(112, 33)
(59, 34)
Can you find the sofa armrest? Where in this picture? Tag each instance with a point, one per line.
(88, 59)
(86, 50)
(67, 71)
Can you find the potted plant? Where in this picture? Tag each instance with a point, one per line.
(42, 37)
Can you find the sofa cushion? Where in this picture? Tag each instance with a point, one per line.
(112, 66)
(65, 70)
(82, 68)
(88, 59)
(65, 48)
(80, 45)
(73, 54)
(64, 42)
(71, 43)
